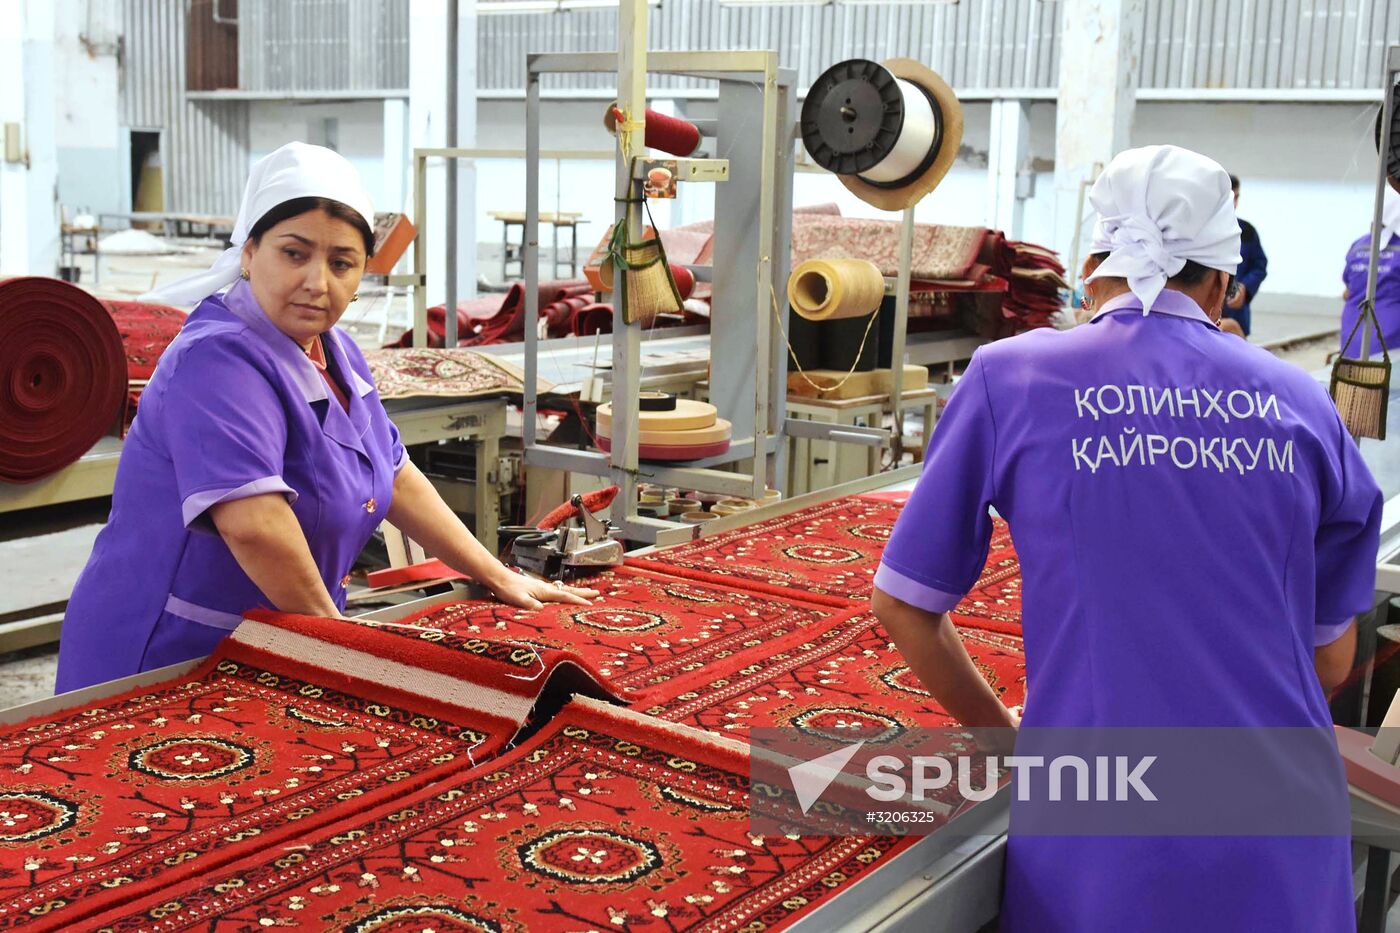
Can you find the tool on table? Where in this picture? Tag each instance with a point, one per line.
(559, 548)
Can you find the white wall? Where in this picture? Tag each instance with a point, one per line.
(1307, 175)
(574, 186)
(28, 192)
(1305, 170)
(93, 173)
(360, 135)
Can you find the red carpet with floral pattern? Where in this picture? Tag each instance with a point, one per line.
(605, 820)
(325, 775)
(241, 757)
(643, 631)
(830, 553)
(994, 603)
(146, 330)
(846, 684)
(827, 552)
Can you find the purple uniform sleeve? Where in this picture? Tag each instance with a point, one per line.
(1347, 541)
(939, 544)
(399, 452)
(226, 430)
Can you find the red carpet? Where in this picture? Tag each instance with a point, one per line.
(329, 775)
(994, 603)
(602, 821)
(123, 798)
(146, 330)
(643, 633)
(845, 684)
(828, 553)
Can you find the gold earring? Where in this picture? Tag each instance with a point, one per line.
(355, 297)
(243, 274)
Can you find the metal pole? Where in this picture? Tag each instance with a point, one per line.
(901, 327)
(531, 267)
(766, 284)
(626, 358)
(449, 326)
(420, 249)
(1387, 117)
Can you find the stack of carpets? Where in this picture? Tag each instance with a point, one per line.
(604, 820)
(501, 318)
(324, 774)
(293, 726)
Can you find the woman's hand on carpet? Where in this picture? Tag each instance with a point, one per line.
(518, 589)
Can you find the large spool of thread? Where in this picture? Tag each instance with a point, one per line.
(890, 131)
(687, 415)
(668, 134)
(62, 376)
(833, 289)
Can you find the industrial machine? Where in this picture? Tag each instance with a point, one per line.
(570, 549)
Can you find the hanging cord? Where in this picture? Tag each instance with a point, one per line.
(778, 317)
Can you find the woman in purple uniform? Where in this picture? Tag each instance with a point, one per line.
(262, 459)
(1387, 282)
(1129, 455)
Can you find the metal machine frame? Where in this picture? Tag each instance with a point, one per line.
(752, 232)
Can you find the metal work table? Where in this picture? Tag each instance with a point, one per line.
(419, 420)
(515, 252)
(817, 464)
(90, 477)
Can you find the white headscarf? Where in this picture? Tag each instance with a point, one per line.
(297, 170)
(1160, 206)
(1390, 216)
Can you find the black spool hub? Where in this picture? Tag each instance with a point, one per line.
(852, 118)
(1391, 151)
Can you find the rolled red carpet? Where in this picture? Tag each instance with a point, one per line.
(62, 376)
(146, 330)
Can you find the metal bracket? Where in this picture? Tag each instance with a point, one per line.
(692, 170)
(840, 433)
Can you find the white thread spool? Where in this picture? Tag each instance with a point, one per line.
(916, 138)
(863, 122)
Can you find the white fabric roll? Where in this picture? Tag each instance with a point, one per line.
(1160, 207)
(297, 170)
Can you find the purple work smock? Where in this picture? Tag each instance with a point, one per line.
(234, 409)
(1387, 295)
(1180, 562)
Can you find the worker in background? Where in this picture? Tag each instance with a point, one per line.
(262, 459)
(1387, 282)
(1131, 616)
(1254, 267)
